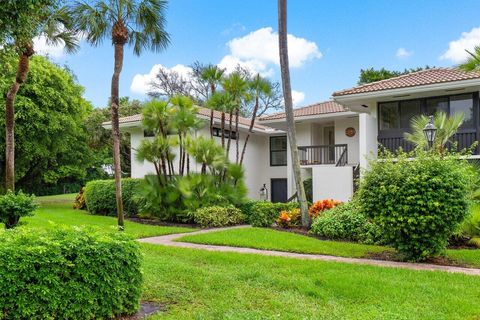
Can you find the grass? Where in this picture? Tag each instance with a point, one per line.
(57, 210)
(260, 238)
(195, 284)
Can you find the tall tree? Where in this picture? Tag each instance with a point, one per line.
(237, 86)
(212, 75)
(287, 94)
(259, 87)
(139, 23)
(372, 75)
(45, 19)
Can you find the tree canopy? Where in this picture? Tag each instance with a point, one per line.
(372, 75)
(50, 134)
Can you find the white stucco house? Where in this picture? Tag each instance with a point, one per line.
(337, 137)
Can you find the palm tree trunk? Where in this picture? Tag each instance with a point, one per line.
(116, 132)
(223, 130)
(230, 133)
(250, 129)
(287, 94)
(212, 90)
(237, 135)
(22, 72)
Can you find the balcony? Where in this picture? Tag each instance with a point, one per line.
(463, 139)
(336, 154)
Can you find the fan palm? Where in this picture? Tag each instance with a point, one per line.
(287, 94)
(138, 23)
(212, 75)
(446, 128)
(56, 28)
(258, 86)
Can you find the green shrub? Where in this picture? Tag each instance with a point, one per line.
(100, 196)
(418, 203)
(14, 206)
(178, 198)
(265, 213)
(346, 222)
(68, 274)
(217, 216)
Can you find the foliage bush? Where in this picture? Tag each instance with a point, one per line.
(290, 218)
(79, 202)
(180, 197)
(322, 205)
(14, 206)
(100, 196)
(68, 274)
(346, 222)
(217, 216)
(417, 203)
(265, 213)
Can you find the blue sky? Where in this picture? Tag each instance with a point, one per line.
(332, 41)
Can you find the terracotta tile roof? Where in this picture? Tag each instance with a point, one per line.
(202, 112)
(313, 109)
(419, 78)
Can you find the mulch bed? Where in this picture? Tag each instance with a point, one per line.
(146, 309)
(155, 222)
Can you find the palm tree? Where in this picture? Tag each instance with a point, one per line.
(212, 75)
(56, 28)
(473, 61)
(221, 101)
(446, 128)
(287, 94)
(237, 86)
(139, 23)
(258, 86)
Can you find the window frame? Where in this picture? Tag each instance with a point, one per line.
(275, 151)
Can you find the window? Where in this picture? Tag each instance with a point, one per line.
(278, 151)
(435, 105)
(148, 133)
(463, 104)
(217, 132)
(408, 110)
(389, 116)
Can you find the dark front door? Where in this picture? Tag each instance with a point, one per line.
(279, 190)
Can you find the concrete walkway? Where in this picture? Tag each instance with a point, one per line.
(169, 240)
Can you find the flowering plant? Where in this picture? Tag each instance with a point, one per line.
(289, 218)
(321, 206)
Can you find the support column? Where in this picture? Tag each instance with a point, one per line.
(368, 132)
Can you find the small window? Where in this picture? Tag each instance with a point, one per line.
(389, 116)
(148, 133)
(278, 151)
(217, 132)
(463, 104)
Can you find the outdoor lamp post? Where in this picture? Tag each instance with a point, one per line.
(430, 131)
(264, 192)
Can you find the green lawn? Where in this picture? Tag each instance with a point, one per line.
(261, 238)
(57, 210)
(195, 284)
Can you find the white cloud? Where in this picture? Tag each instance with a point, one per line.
(297, 97)
(403, 53)
(43, 48)
(258, 51)
(456, 49)
(141, 82)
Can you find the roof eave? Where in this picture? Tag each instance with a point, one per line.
(313, 117)
(349, 98)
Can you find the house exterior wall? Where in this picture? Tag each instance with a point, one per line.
(341, 124)
(330, 182)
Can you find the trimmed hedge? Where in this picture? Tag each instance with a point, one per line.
(265, 213)
(100, 196)
(68, 273)
(218, 216)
